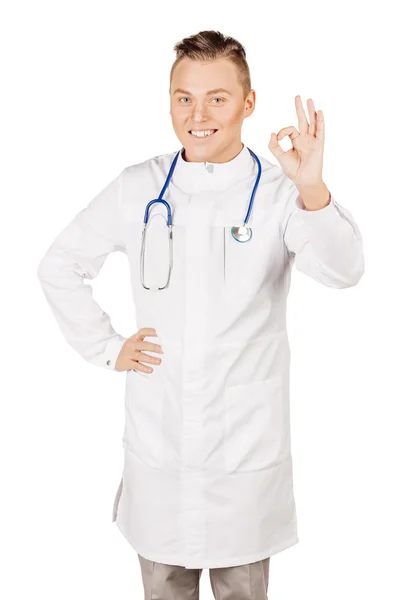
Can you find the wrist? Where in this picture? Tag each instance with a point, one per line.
(315, 196)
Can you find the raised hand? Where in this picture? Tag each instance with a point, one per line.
(303, 162)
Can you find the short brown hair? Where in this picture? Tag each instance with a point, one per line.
(208, 45)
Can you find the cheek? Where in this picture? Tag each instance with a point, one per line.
(178, 120)
(175, 114)
(231, 118)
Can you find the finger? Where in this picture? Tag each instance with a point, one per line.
(141, 334)
(290, 131)
(313, 117)
(301, 115)
(320, 133)
(142, 368)
(274, 146)
(149, 346)
(146, 358)
(128, 364)
(143, 331)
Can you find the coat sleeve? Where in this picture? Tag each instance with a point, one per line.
(326, 244)
(76, 254)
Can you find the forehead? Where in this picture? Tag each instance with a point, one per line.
(203, 75)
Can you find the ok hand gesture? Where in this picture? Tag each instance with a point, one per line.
(303, 162)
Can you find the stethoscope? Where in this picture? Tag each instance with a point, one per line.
(240, 234)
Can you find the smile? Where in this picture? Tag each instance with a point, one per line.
(203, 134)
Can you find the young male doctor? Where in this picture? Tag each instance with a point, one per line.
(207, 477)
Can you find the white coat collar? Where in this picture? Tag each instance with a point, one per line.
(192, 177)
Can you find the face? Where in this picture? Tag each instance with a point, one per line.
(196, 105)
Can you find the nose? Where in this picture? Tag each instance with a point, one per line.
(199, 113)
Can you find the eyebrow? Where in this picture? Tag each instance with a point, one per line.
(179, 90)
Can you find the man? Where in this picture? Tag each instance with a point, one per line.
(207, 479)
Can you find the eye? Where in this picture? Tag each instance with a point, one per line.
(217, 98)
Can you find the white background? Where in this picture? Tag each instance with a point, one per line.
(85, 94)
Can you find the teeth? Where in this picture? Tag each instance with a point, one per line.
(202, 133)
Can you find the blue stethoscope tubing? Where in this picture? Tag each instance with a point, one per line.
(240, 234)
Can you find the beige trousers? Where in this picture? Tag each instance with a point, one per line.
(172, 582)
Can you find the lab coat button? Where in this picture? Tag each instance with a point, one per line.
(109, 362)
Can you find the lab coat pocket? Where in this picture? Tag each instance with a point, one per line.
(254, 425)
(117, 499)
(236, 256)
(144, 418)
(247, 265)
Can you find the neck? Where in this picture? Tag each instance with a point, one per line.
(222, 156)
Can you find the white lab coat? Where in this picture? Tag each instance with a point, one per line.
(207, 475)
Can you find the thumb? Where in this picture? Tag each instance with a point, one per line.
(274, 146)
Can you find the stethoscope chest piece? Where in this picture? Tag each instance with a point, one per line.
(241, 234)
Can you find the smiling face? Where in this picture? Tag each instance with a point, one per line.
(207, 96)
